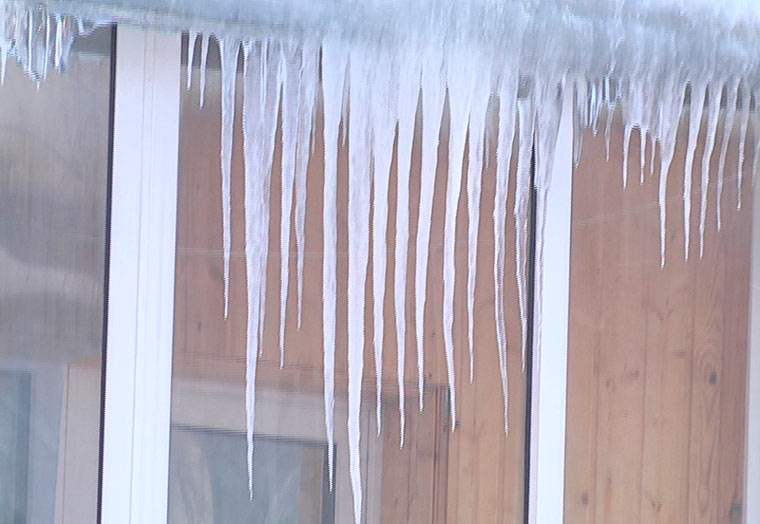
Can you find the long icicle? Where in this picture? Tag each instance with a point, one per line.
(291, 63)
(728, 127)
(746, 99)
(698, 92)
(477, 128)
(228, 54)
(204, 59)
(460, 91)
(716, 88)
(522, 199)
(672, 96)
(507, 99)
(192, 36)
(755, 118)
(360, 70)
(408, 97)
(642, 153)
(256, 207)
(334, 61)
(271, 81)
(433, 94)
(549, 99)
(383, 124)
(626, 148)
(307, 94)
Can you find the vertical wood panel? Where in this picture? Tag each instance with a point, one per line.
(657, 356)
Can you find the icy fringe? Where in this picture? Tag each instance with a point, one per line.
(282, 86)
(38, 39)
(284, 75)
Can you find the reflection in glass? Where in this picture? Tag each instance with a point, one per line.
(290, 479)
(53, 181)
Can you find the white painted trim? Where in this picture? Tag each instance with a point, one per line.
(141, 283)
(549, 392)
(752, 482)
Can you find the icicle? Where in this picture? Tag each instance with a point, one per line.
(672, 97)
(728, 126)
(383, 125)
(334, 60)
(204, 57)
(3, 64)
(698, 91)
(259, 123)
(408, 97)
(192, 36)
(581, 120)
(756, 132)
(307, 93)
(58, 57)
(507, 99)
(360, 70)
(252, 242)
(611, 104)
(433, 93)
(228, 50)
(460, 79)
(549, 100)
(626, 148)
(595, 104)
(478, 115)
(522, 199)
(608, 130)
(746, 99)
(290, 111)
(643, 152)
(716, 89)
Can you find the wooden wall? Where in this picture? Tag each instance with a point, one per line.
(656, 390)
(474, 474)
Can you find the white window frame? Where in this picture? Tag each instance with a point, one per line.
(752, 472)
(141, 294)
(546, 487)
(141, 278)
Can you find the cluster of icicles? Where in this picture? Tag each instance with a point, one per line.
(39, 40)
(287, 77)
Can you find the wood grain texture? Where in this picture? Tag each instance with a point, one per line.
(474, 474)
(657, 363)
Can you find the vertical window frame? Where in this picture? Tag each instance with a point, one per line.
(141, 277)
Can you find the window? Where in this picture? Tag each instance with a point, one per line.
(437, 475)
(54, 160)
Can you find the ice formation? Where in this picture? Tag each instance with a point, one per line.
(39, 39)
(334, 65)
(495, 70)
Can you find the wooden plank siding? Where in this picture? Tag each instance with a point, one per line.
(657, 357)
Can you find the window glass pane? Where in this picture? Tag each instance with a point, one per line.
(54, 140)
(658, 356)
(474, 474)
